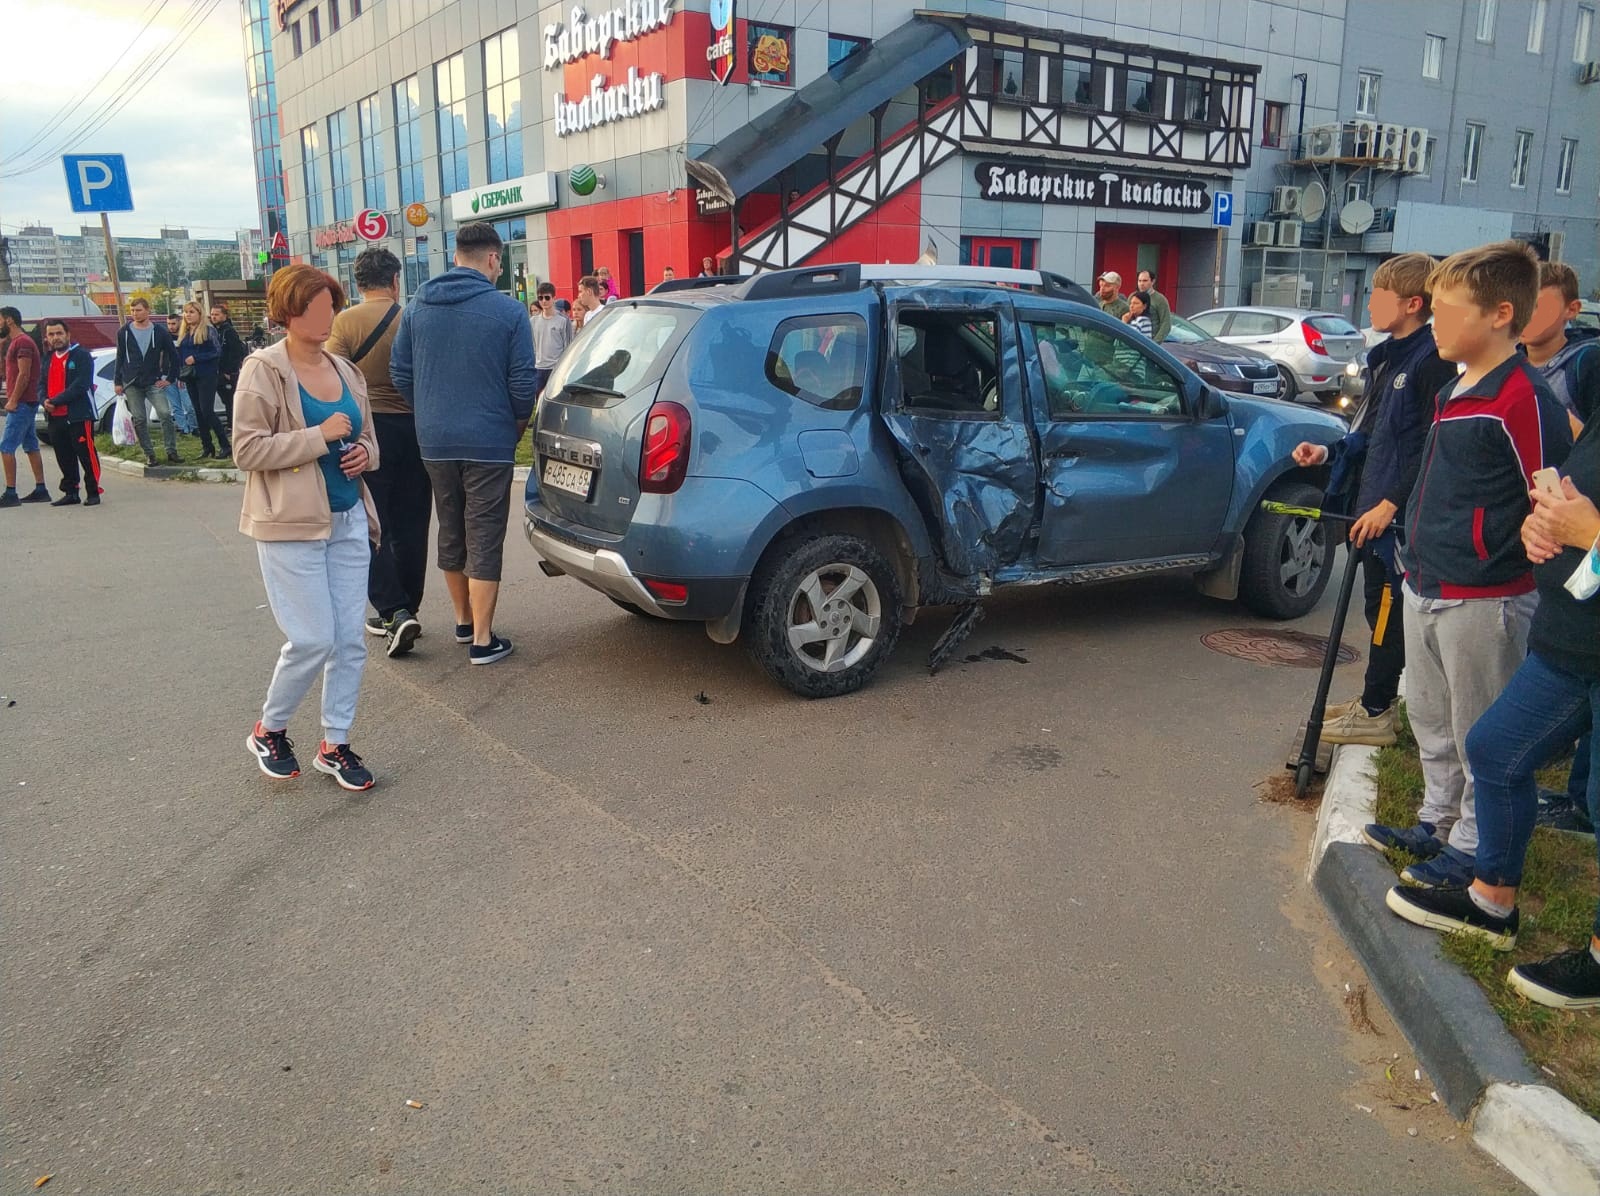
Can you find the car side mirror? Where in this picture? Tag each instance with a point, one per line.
(1212, 404)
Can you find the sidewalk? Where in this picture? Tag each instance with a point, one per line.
(208, 473)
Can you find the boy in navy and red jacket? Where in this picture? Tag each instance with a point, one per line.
(65, 390)
(1469, 590)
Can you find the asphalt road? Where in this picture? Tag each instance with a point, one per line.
(621, 914)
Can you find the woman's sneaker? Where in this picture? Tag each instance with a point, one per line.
(344, 766)
(274, 753)
(1570, 980)
(498, 648)
(1454, 909)
(1448, 870)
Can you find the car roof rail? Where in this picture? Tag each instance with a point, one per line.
(695, 284)
(1044, 281)
(808, 280)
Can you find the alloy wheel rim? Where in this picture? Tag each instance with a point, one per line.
(834, 617)
(1300, 559)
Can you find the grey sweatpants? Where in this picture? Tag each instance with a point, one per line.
(1460, 653)
(159, 397)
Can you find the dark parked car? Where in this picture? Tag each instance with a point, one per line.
(807, 457)
(1225, 366)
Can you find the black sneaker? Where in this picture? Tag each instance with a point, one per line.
(274, 753)
(1570, 980)
(149, 460)
(463, 633)
(174, 459)
(10, 500)
(93, 500)
(69, 499)
(344, 766)
(41, 493)
(376, 625)
(498, 648)
(402, 633)
(1561, 813)
(1450, 909)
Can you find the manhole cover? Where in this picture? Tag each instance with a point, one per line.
(1291, 649)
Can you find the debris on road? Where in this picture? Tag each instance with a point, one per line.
(41, 1181)
(1365, 1108)
(968, 617)
(414, 1104)
(702, 698)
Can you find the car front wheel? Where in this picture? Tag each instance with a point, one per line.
(824, 614)
(1287, 558)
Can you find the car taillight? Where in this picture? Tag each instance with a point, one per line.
(673, 593)
(1314, 340)
(665, 458)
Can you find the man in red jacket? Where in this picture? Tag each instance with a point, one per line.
(64, 390)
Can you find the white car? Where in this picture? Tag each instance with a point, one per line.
(1312, 348)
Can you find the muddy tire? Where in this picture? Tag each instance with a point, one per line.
(824, 614)
(1287, 560)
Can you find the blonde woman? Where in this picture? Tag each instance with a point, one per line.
(199, 360)
(303, 435)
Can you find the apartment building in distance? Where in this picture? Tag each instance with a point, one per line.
(42, 258)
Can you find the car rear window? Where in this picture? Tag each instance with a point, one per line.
(622, 350)
(821, 360)
(1333, 326)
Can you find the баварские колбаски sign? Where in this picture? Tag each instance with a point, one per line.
(1091, 188)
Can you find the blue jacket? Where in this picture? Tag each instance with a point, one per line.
(142, 369)
(207, 353)
(463, 359)
(78, 395)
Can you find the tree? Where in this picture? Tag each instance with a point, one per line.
(124, 266)
(219, 265)
(167, 271)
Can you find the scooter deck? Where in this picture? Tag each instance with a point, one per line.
(1324, 758)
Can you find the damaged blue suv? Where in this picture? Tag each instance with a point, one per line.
(805, 458)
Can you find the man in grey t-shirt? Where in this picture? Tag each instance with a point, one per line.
(552, 333)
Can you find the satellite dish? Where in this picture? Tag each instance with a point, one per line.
(1313, 202)
(1356, 216)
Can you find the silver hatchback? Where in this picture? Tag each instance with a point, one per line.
(1313, 349)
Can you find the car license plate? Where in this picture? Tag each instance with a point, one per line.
(574, 479)
(1269, 387)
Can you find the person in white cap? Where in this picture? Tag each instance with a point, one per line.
(1112, 303)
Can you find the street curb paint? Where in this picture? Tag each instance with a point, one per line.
(1478, 1068)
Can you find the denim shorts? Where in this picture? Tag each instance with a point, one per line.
(20, 432)
(473, 501)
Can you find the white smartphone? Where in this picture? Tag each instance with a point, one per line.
(1548, 480)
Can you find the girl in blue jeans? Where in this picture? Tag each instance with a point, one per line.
(1551, 700)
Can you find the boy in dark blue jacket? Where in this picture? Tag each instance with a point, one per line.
(1378, 462)
(1469, 589)
(65, 383)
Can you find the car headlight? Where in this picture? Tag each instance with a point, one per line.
(1211, 369)
(1353, 368)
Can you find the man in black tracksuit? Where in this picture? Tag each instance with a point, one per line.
(1377, 464)
(233, 355)
(64, 382)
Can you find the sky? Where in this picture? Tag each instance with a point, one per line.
(186, 132)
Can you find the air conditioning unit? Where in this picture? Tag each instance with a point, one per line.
(1285, 201)
(1366, 138)
(1323, 142)
(1414, 154)
(1264, 232)
(1589, 72)
(1289, 234)
(1391, 143)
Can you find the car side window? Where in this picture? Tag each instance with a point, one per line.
(948, 363)
(821, 360)
(1090, 370)
(1213, 322)
(1256, 323)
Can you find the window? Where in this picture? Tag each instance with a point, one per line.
(1486, 20)
(369, 127)
(1197, 102)
(1089, 370)
(1432, 56)
(1141, 92)
(316, 26)
(841, 47)
(1427, 157)
(1256, 323)
(339, 168)
(1077, 83)
(355, 9)
(1580, 38)
(1272, 117)
(502, 104)
(772, 54)
(296, 40)
(1569, 151)
(1536, 15)
(1006, 75)
(1519, 158)
(947, 363)
(333, 16)
(1355, 191)
(1367, 93)
(1210, 322)
(450, 86)
(311, 173)
(624, 351)
(1472, 153)
(408, 139)
(821, 360)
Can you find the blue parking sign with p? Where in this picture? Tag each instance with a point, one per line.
(98, 183)
(1222, 209)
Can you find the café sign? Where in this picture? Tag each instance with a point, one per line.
(529, 193)
(635, 94)
(1091, 188)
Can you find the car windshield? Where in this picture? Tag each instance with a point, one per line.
(617, 353)
(1186, 332)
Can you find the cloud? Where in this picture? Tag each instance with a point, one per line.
(185, 133)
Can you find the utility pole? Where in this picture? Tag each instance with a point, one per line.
(111, 265)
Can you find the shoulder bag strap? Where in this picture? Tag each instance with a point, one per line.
(377, 333)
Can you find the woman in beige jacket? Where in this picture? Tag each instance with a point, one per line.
(302, 432)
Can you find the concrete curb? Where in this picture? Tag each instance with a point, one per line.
(208, 474)
(1533, 1131)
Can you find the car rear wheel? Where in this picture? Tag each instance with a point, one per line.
(824, 614)
(1287, 559)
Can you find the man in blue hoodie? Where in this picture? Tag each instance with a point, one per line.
(464, 360)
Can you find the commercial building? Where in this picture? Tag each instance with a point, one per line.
(261, 97)
(41, 258)
(1075, 135)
